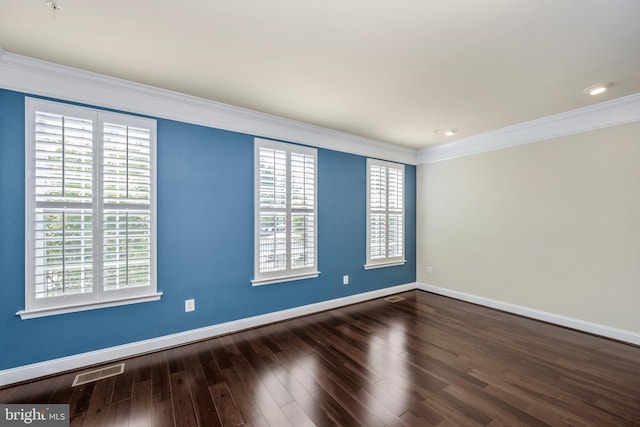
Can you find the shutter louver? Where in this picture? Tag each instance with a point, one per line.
(273, 205)
(378, 206)
(302, 211)
(63, 223)
(396, 203)
(126, 207)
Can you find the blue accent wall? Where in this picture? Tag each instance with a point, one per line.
(205, 243)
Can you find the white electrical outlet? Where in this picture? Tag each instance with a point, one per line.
(189, 305)
(429, 269)
(345, 279)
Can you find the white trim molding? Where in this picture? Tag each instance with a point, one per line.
(50, 367)
(52, 311)
(556, 319)
(385, 264)
(616, 112)
(36, 77)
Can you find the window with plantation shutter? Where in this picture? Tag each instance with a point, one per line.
(90, 209)
(385, 214)
(285, 212)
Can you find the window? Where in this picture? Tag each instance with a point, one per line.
(385, 214)
(285, 212)
(90, 209)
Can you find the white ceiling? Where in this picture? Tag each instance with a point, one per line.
(389, 70)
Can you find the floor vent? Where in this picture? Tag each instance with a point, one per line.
(98, 374)
(394, 299)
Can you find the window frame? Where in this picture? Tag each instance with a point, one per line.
(386, 261)
(289, 273)
(97, 297)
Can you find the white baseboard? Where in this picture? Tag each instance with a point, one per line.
(569, 322)
(49, 367)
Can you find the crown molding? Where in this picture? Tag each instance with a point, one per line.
(37, 77)
(616, 112)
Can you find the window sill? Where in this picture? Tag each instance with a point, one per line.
(52, 311)
(270, 280)
(384, 264)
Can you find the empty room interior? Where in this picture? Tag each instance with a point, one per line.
(331, 213)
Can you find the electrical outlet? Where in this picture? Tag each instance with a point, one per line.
(345, 279)
(429, 269)
(189, 305)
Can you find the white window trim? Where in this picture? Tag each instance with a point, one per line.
(287, 275)
(98, 297)
(371, 266)
(52, 311)
(387, 261)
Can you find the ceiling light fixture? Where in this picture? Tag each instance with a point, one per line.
(446, 132)
(597, 89)
(54, 6)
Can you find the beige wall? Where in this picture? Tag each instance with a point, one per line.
(553, 226)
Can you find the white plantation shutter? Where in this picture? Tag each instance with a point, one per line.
(126, 189)
(285, 212)
(272, 195)
(303, 201)
(385, 214)
(63, 207)
(90, 206)
(378, 212)
(395, 212)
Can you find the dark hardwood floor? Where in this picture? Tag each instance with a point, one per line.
(426, 360)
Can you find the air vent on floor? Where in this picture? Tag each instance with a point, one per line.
(394, 299)
(98, 374)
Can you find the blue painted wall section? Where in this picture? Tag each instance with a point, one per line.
(205, 243)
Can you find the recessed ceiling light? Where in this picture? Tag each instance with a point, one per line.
(446, 132)
(597, 89)
(54, 6)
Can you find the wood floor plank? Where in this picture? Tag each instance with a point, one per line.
(77, 420)
(336, 411)
(427, 360)
(183, 409)
(160, 381)
(63, 392)
(243, 396)
(414, 400)
(119, 414)
(123, 387)
(141, 406)
(302, 394)
(205, 408)
(209, 365)
(79, 401)
(296, 416)
(227, 410)
(162, 414)
(260, 394)
(551, 410)
(97, 413)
